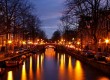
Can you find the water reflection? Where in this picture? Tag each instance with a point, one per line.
(42, 58)
(10, 75)
(49, 52)
(38, 68)
(70, 69)
(58, 57)
(78, 71)
(103, 78)
(62, 67)
(31, 73)
(53, 66)
(23, 74)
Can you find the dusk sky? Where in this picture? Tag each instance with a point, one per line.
(49, 12)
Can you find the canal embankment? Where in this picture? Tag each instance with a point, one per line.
(4, 56)
(100, 65)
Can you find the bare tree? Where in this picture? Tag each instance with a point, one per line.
(89, 11)
(17, 18)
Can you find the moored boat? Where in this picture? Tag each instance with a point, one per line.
(103, 66)
(11, 63)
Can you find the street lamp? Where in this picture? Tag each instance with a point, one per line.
(9, 42)
(23, 42)
(78, 43)
(107, 41)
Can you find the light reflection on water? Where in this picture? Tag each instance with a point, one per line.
(56, 66)
(78, 71)
(42, 58)
(70, 69)
(31, 72)
(10, 75)
(103, 78)
(58, 57)
(23, 74)
(38, 68)
(62, 67)
(49, 52)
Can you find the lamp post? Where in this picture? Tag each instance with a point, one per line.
(78, 43)
(9, 42)
(107, 41)
(24, 43)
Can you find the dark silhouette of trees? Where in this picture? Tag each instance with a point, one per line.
(56, 36)
(68, 35)
(87, 14)
(17, 19)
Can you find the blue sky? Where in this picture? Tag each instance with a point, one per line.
(49, 12)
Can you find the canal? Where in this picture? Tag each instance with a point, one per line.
(53, 66)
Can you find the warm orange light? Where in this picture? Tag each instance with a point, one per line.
(23, 75)
(35, 43)
(58, 57)
(78, 71)
(62, 63)
(78, 42)
(70, 63)
(42, 58)
(24, 42)
(69, 43)
(31, 72)
(10, 75)
(49, 52)
(70, 69)
(71, 46)
(62, 40)
(62, 67)
(30, 42)
(9, 41)
(37, 39)
(106, 41)
(103, 78)
(38, 68)
(38, 62)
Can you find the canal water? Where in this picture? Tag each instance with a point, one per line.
(53, 66)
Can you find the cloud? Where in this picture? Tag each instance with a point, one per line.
(51, 16)
(50, 27)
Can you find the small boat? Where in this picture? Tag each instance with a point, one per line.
(11, 63)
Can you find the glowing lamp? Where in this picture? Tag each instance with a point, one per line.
(24, 42)
(9, 41)
(78, 43)
(106, 41)
(30, 42)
